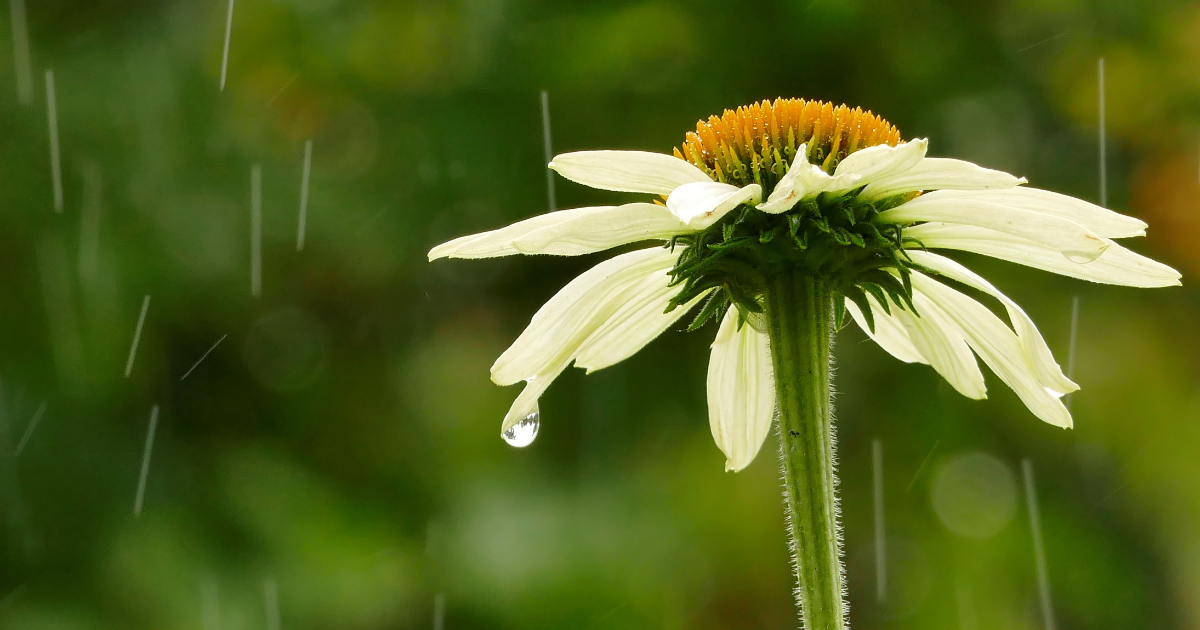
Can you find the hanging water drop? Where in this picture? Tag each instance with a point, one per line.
(524, 432)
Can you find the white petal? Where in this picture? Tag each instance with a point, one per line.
(937, 173)
(598, 231)
(499, 242)
(803, 181)
(1103, 222)
(889, 333)
(998, 346)
(1116, 265)
(560, 328)
(943, 344)
(880, 161)
(702, 204)
(640, 320)
(1036, 350)
(628, 171)
(527, 401)
(741, 391)
(795, 184)
(1072, 239)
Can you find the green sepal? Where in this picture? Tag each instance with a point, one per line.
(878, 293)
(860, 300)
(714, 304)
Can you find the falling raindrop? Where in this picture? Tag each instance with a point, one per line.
(20, 40)
(523, 433)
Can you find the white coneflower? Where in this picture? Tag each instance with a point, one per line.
(779, 218)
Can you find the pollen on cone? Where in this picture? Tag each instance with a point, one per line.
(759, 141)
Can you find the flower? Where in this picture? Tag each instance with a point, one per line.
(845, 200)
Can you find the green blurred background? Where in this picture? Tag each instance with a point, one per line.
(341, 444)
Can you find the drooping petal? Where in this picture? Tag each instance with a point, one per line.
(943, 344)
(938, 173)
(559, 329)
(702, 204)
(879, 162)
(628, 171)
(1103, 222)
(527, 401)
(640, 320)
(499, 242)
(598, 231)
(1072, 239)
(741, 391)
(1116, 265)
(889, 333)
(1038, 353)
(998, 346)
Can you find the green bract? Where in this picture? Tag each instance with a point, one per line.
(838, 237)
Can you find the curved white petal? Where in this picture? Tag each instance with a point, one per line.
(935, 335)
(1072, 239)
(559, 329)
(801, 178)
(889, 334)
(1103, 222)
(702, 204)
(937, 173)
(998, 346)
(741, 391)
(527, 401)
(880, 161)
(499, 242)
(640, 320)
(628, 171)
(1116, 265)
(1036, 350)
(598, 231)
(804, 181)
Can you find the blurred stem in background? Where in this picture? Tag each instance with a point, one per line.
(800, 316)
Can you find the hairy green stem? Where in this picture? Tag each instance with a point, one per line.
(801, 322)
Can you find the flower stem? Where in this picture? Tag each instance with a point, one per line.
(800, 319)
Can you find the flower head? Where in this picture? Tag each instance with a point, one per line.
(831, 192)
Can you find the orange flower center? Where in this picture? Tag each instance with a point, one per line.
(758, 143)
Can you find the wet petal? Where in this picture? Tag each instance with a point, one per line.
(1103, 222)
(560, 328)
(741, 391)
(1116, 265)
(1072, 239)
(628, 171)
(527, 401)
(640, 320)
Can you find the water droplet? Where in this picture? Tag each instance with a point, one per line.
(524, 432)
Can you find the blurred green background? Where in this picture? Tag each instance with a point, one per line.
(341, 444)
